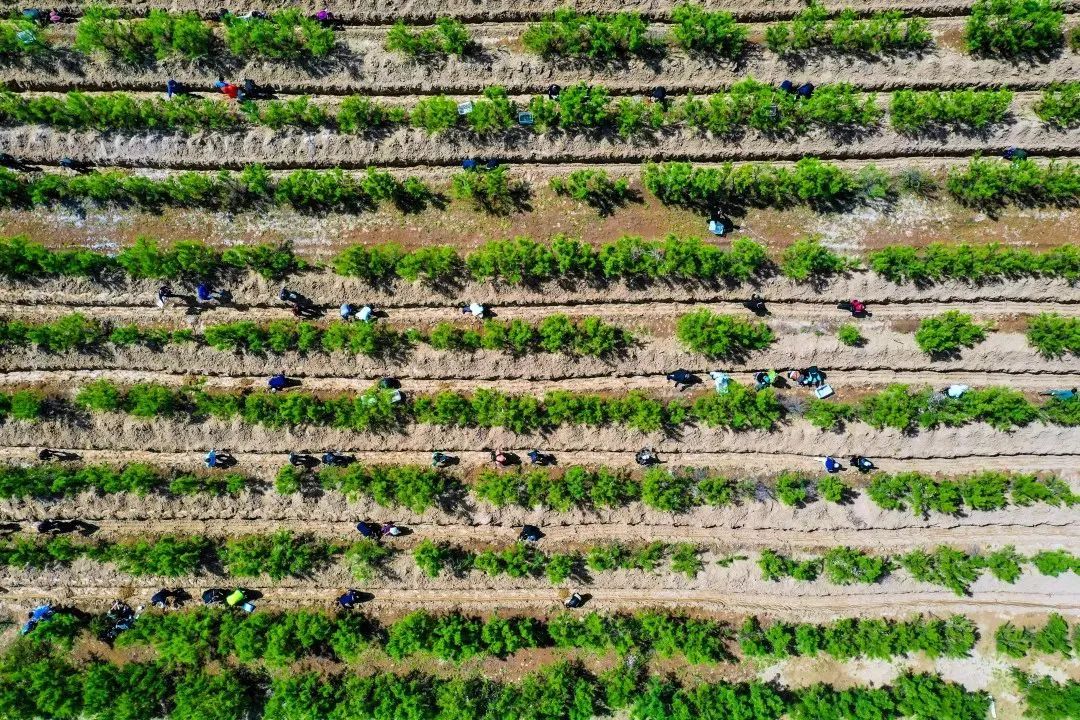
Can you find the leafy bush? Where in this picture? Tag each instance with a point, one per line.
(990, 184)
(160, 35)
(832, 489)
(943, 335)
(722, 336)
(12, 45)
(714, 33)
(599, 37)
(489, 190)
(1014, 27)
(685, 559)
(982, 491)
(913, 112)
(806, 259)
(1054, 335)
(595, 188)
(1060, 104)
(849, 335)
(882, 32)
(285, 35)
(280, 555)
(448, 37)
(973, 263)
(792, 489)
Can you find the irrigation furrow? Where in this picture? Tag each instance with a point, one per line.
(782, 604)
(408, 148)
(796, 437)
(252, 297)
(264, 465)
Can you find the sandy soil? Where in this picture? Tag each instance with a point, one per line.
(408, 147)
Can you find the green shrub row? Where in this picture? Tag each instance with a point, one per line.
(913, 111)
(522, 560)
(992, 183)
(284, 35)
(597, 37)
(882, 32)
(975, 263)
(41, 679)
(810, 182)
(159, 35)
(10, 43)
(447, 37)
(1060, 104)
(522, 260)
(700, 31)
(1047, 699)
(54, 480)
(282, 554)
(747, 104)
(77, 332)
(944, 335)
(986, 490)
(303, 190)
(1052, 638)
(722, 336)
(902, 408)
(942, 566)
(376, 411)
(1054, 335)
(183, 260)
(1014, 27)
(525, 261)
(852, 638)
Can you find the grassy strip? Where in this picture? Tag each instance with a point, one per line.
(1051, 639)
(943, 566)
(526, 261)
(556, 334)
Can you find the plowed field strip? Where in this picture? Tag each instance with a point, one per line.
(796, 437)
(409, 148)
(782, 604)
(266, 464)
(651, 384)
(559, 538)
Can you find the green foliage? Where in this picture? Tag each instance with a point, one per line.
(1053, 335)
(982, 491)
(944, 566)
(366, 558)
(491, 191)
(410, 486)
(686, 559)
(810, 182)
(722, 336)
(1060, 103)
(832, 489)
(792, 488)
(448, 37)
(953, 637)
(285, 35)
(913, 112)
(159, 36)
(806, 259)
(849, 334)
(973, 263)
(280, 555)
(595, 188)
(598, 37)
(1014, 27)
(990, 184)
(945, 334)
(12, 45)
(121, 112)
(880, 33)
(53, 480)
(713, 33)
(556, 334)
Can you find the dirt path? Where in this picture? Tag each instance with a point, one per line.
(118, 432)
(329, 290)
(361, 65)
(409, 147)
